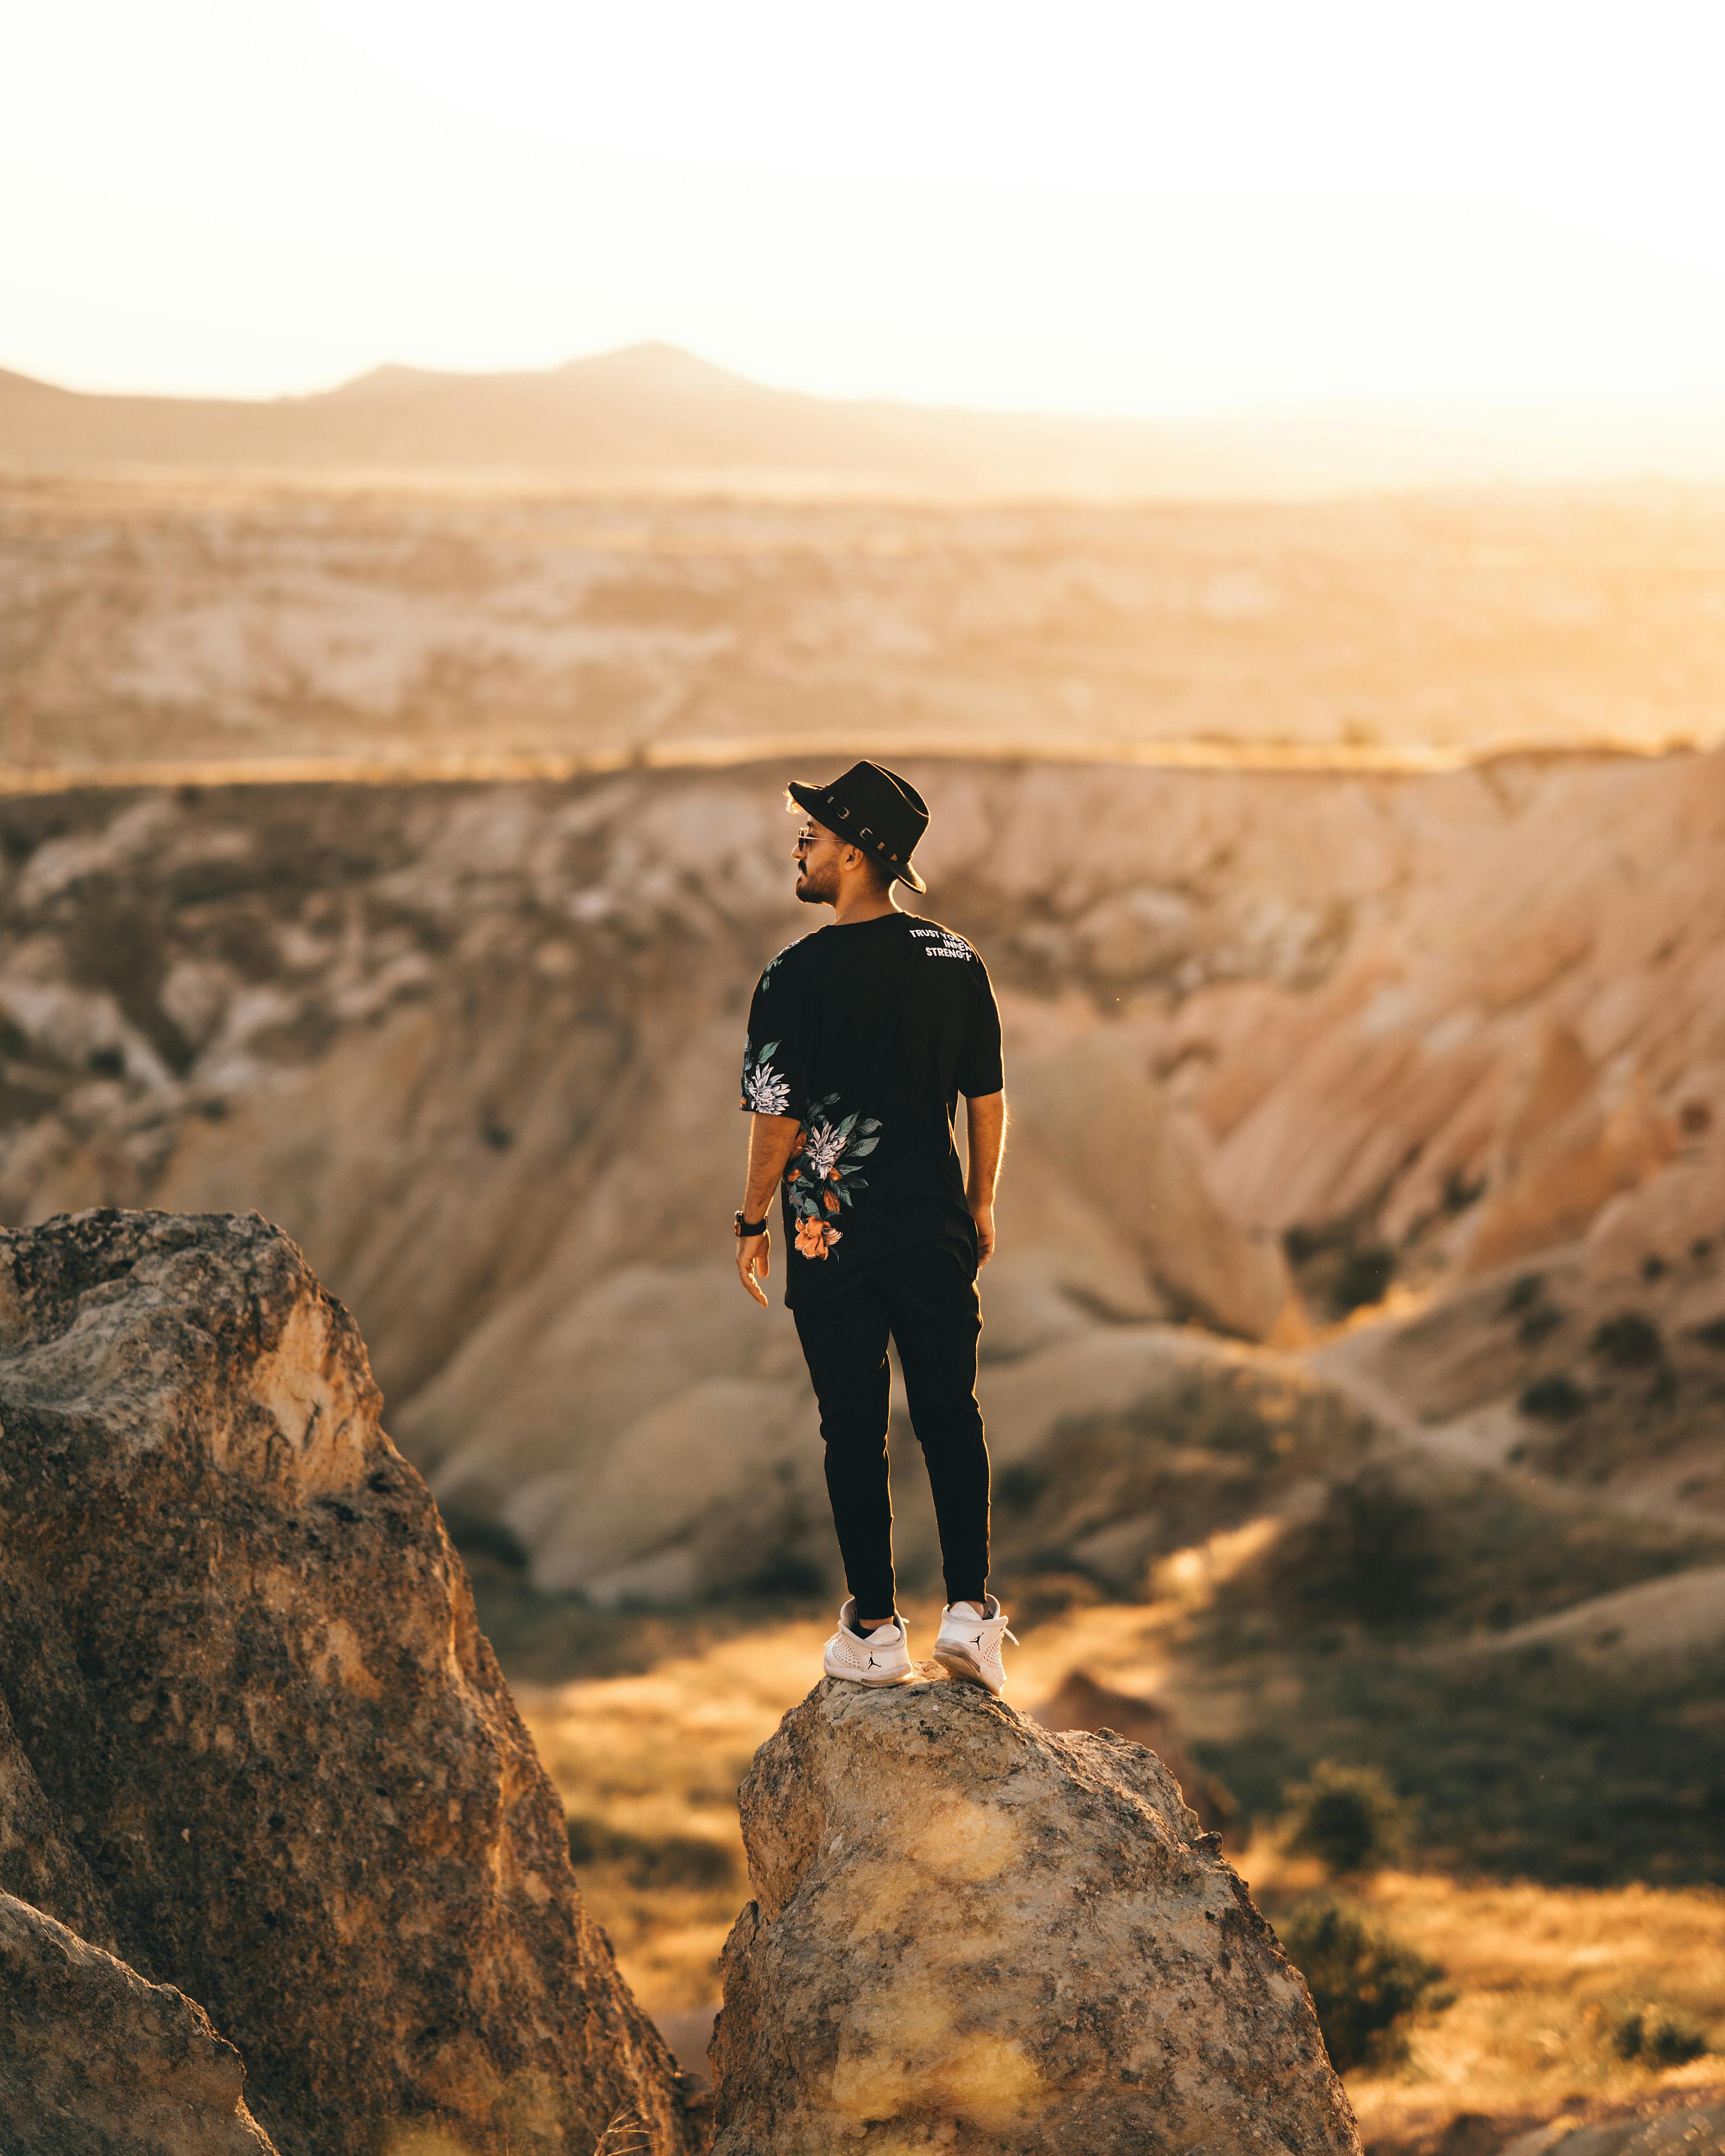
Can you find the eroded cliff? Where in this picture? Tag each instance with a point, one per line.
(475, 1047)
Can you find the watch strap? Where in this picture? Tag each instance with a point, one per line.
(748, 1227)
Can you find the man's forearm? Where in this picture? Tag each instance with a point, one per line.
(986, 1120)
(771, 1139)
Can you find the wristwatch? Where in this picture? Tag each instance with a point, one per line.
(747, 1227)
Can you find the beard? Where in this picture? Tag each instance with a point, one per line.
(815, 889)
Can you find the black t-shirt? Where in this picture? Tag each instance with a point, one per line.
(868, 1032)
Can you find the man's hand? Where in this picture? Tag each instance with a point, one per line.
(984, 1216)
(771, 1139)
(754, 1262)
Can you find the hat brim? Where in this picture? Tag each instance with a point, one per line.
(813, 799)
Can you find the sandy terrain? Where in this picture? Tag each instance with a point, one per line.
(203, 619)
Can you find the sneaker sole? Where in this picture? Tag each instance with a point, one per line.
(876, 1681)
(959, 1662)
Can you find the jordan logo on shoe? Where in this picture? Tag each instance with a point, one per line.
(978, 1641)
(871, 1661)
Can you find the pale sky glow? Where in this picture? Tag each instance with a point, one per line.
(1081, 207)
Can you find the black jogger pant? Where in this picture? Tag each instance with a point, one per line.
(927, 1300)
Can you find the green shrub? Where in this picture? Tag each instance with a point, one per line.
(1362, 1278)
(1657, 2037)
(1370, 1556)
(1017, 1488)
(478, 1535)
(1349, 1818)
(1526, 1292)
(670, 1860)
(1555, 1398)
(1538, 1324)
(1630, 1340)
(1365, 1984)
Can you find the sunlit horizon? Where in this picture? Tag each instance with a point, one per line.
(1110, 210)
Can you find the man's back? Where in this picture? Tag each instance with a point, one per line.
(867, 1033)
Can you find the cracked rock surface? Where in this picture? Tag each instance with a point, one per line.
(970, 1934)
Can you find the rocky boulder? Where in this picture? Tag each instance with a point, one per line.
(258, 1746)
(971, 1933)
(95, 2062)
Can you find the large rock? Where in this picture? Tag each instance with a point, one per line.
(95, 2062)
(261, 1748)
(970, 1934)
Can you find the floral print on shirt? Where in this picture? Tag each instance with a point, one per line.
(763, 1089)
(820, 1178)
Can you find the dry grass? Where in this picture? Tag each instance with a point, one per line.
(661, 1755)
(1541, 1976)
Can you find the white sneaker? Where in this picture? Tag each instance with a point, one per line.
(969, 1644)
(881, 1658)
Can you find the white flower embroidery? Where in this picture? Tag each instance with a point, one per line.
(768, 1094)
(825, 1144)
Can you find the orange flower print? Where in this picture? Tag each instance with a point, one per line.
(830, 1148)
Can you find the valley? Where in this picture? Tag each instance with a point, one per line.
(1354, 1361)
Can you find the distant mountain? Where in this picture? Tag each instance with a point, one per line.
(655, 418)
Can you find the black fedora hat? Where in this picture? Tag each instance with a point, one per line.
(871, 807)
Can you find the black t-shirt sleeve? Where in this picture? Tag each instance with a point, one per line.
(980, 1071)
(779, 1057)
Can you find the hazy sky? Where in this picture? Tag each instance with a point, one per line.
(1070, 206)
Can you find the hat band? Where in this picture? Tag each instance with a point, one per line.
(866, 831)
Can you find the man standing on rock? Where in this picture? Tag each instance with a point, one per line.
(861, 1037)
